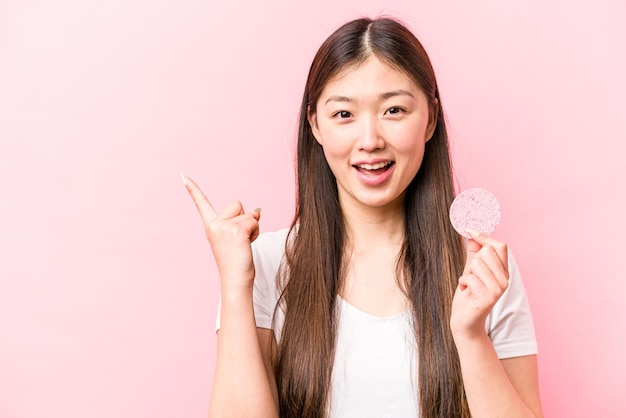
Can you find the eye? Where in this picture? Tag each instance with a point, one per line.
(394, 110)
(343, 114)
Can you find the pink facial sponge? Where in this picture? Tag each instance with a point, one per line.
(475, 209)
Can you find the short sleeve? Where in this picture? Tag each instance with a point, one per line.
(267, 252)
(510, 323)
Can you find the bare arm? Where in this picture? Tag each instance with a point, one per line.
(242, 386)
(495, 388)
(499, 388)
(522, 372)
(267, 339)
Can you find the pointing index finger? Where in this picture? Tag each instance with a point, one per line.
(202, 203)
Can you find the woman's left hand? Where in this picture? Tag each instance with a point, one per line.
(484, 280)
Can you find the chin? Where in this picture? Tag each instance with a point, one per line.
(382, 201)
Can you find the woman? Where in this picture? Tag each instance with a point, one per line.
(369, 305)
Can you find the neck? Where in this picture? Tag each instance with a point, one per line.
(369, 227)
(375, 236)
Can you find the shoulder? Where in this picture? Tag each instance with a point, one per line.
(268, 251)
(515, 292)
(273, 237)
(510, 323)
(270, 243)
(516, 285)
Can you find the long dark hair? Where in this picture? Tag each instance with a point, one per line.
(429, 264)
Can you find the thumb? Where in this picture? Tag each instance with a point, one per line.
(472, 247)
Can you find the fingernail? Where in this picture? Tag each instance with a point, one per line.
(472, 232)
(183, 178)
(258, 209)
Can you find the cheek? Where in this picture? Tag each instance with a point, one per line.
(411, 138)
(335, 142)
(411, 145)
(411, 149)
(336, 154)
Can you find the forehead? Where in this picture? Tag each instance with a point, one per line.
(373, 76)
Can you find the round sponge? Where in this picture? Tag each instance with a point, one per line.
(475, 209)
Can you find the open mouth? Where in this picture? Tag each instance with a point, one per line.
(375, 168)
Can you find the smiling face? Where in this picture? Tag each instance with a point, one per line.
(373, 123)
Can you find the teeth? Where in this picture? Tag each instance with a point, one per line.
(375, 166)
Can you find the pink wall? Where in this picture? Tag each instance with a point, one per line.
(107, 288)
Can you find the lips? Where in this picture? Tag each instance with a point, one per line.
(375, 172)
(373, 168)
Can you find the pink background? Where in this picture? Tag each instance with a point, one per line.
(108, 290)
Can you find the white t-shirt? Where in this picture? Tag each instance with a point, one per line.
(375, 368)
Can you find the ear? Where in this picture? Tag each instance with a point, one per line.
(312, 118)
(432, 120)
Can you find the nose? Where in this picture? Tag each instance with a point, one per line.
(371, 138)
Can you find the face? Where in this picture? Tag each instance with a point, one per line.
(373, 123)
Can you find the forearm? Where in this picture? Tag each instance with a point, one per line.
(241, 387)
(489, 390)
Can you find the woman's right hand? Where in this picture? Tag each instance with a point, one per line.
(230, 233)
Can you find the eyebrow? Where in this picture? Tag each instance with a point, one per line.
(396, 93)
(383, 96)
